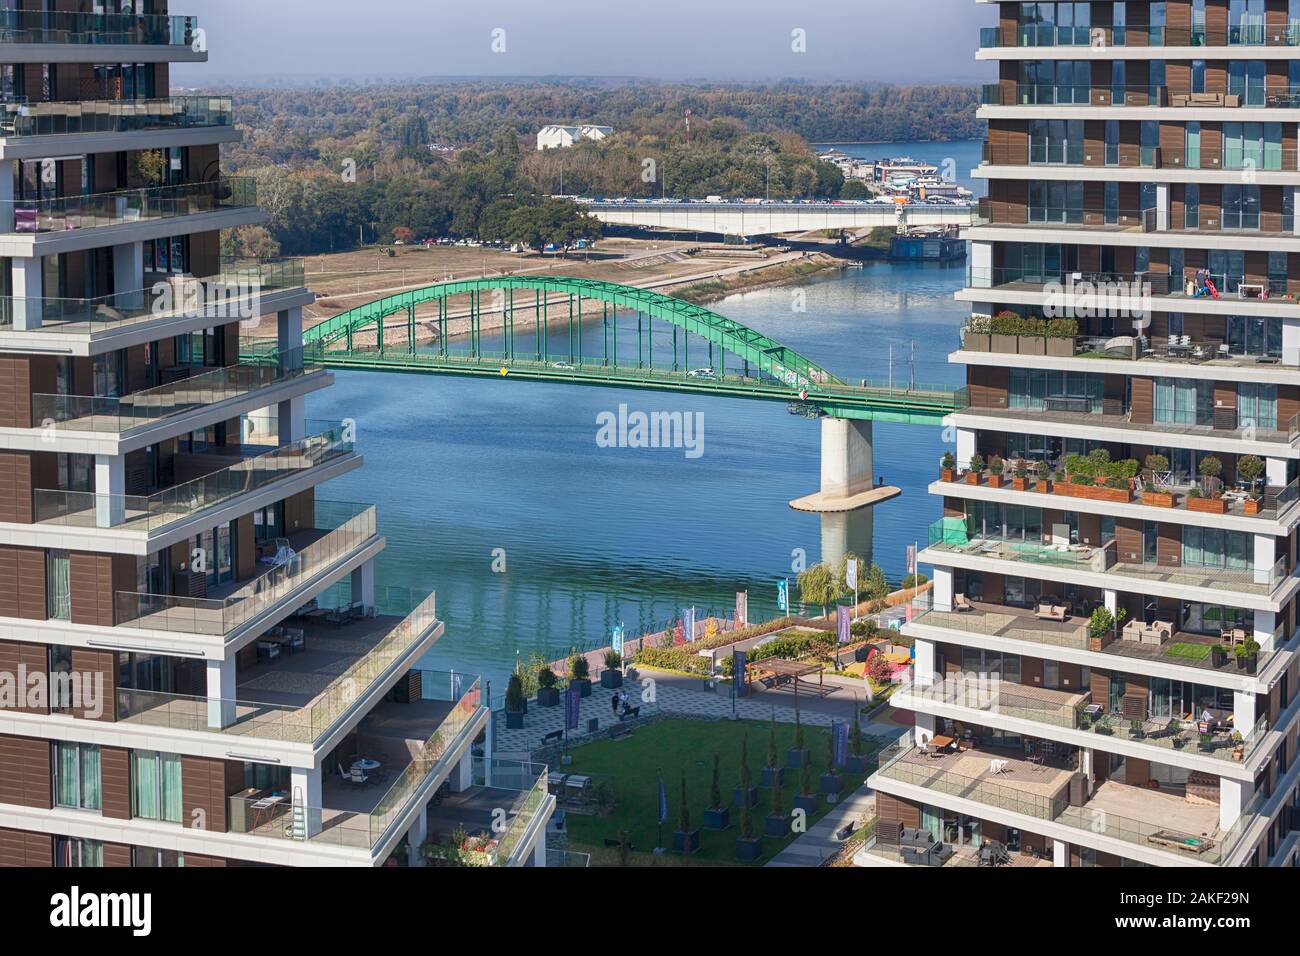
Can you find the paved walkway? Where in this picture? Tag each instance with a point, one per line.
(820, 842)
(670, 693)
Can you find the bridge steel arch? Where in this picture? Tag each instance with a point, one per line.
(757, 350)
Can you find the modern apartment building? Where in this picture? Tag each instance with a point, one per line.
(193, 670)
(1106, 668)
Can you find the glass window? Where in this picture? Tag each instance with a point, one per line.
(76, 776)
(58, 585)
(156, 786)
(69, 852)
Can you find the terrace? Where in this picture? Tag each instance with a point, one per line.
(962, 856)
(20, 120)
(72, 213)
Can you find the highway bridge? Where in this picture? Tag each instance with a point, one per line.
(773, 218)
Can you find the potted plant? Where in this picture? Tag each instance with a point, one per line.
(548, 695)
(579, 674)
(749, 845)
(1101, 629)
(1248, 657)
(948, 467)
(1210, 468)
(612, 676)
(1155, 464)
(996, 469)
(796, 756)
(773, 774)
(746, 794)
(976, 470)
(778, 822)
(516, 704)
(857, 762)
(1043, 474)
(1238, 746)
(1103, 727)
(1251, 467)
(1135, 730)
(717, 815)
(831, 781)
(807, 799)
(1219, 655)
(1020, 480)
(685, 839)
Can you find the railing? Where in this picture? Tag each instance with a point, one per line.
(352, 526)
(38, 26)
(991, 696)
(1267, 157)
(522, 812)
(1253, 33)
(894, 854)
(69, 213)
(282, 722)
(21, 119)
(230, 295)
(1096, 820)
(160, 510)
(1107, 287)
(1025, 549)
(86, 413)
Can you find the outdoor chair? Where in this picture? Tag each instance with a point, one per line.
(959, 603)
(352, 776)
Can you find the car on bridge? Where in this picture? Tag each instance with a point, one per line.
(702, 373)
(564, 367)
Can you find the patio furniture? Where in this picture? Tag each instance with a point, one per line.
(993, 853)
(268, 650)
(352, 776)
(959, 603)
(1050, 611)
(919, 848)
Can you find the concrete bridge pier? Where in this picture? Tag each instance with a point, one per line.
(848, 488)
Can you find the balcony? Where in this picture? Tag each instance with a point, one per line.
(1036, 550)
(876, 853)
(1046, 788)
(331, 442)
(72, 213)
(339, 531)
(234, 294)
(19, 120)
(1269, 157)
(412, 742)
(1254, 33)
(303, 694)
(519, 786)
(1175, 647)
(100, 29)
(994, 697)
(1064, 95)
(1246, 223)
(119, 416)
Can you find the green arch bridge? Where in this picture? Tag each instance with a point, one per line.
(679, 346)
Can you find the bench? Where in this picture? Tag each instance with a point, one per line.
(552, 737)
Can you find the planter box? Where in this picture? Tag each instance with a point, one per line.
(794, 759)
(1219, 655)
(832, 784)
(753, 796)
(1032, 345)
(1212, 506)
(1251, 506)
(1043, 486)
(1157, 499)
(717, 818)
(777, 826)
(1020, 484)
(857, 763)
(808, 802)
(973, 477)
(976, 342)
(1004, 343)
(1093, 492)
(947, 474)
(548, 697)
(749, 850)
(995, 481)
(611, 677)
(1100, 643)
(583, 685)
(514, 720)
(686, 841)
(1060, 346)
(772, 775)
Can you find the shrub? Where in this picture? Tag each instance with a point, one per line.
(915, 580)
(1041, 470)
(1250, 467)
(546, 678)
(1156, 463)
(1022, 470)
(1210, 467)
(996, 465)
(1100, 622)
(977, 464)
(613, 659)
(948, 462)
(515, 694)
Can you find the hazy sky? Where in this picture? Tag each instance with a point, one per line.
(898, 40)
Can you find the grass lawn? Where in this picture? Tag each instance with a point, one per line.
(671, 745)
(1184, 649)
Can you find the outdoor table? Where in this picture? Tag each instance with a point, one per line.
(940, 742)
(366, 765)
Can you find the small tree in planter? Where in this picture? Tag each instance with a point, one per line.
(1042, 473)
(1250, 467)
(778, 821)
(1210, 468)
(1020, 479)
(797, 756)
(976, 470)
(516, 705)
(612, 676)
(857, 761)
(579, 674)
(831, 782)
(749, 846)
(948, 467)
(1101, 628)
(685, 840)
(745, 795)
(773, 773)
(548, 695)
(996, 469)
(717, 815)
(807, 799)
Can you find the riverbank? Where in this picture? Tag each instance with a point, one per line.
(768, 276)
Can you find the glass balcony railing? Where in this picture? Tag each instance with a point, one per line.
(86, 413)
(76, 509)
(349, 528)
(21, 119)
(1256, 156)
(1248, 32)
(128, 29)
(70, 213)
(231, 295)
(1050, 94)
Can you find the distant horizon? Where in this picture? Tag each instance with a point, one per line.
(311, 79)
(761, 41)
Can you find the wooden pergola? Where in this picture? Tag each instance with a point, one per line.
(775, 671)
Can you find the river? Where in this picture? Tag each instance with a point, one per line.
(471, 475)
